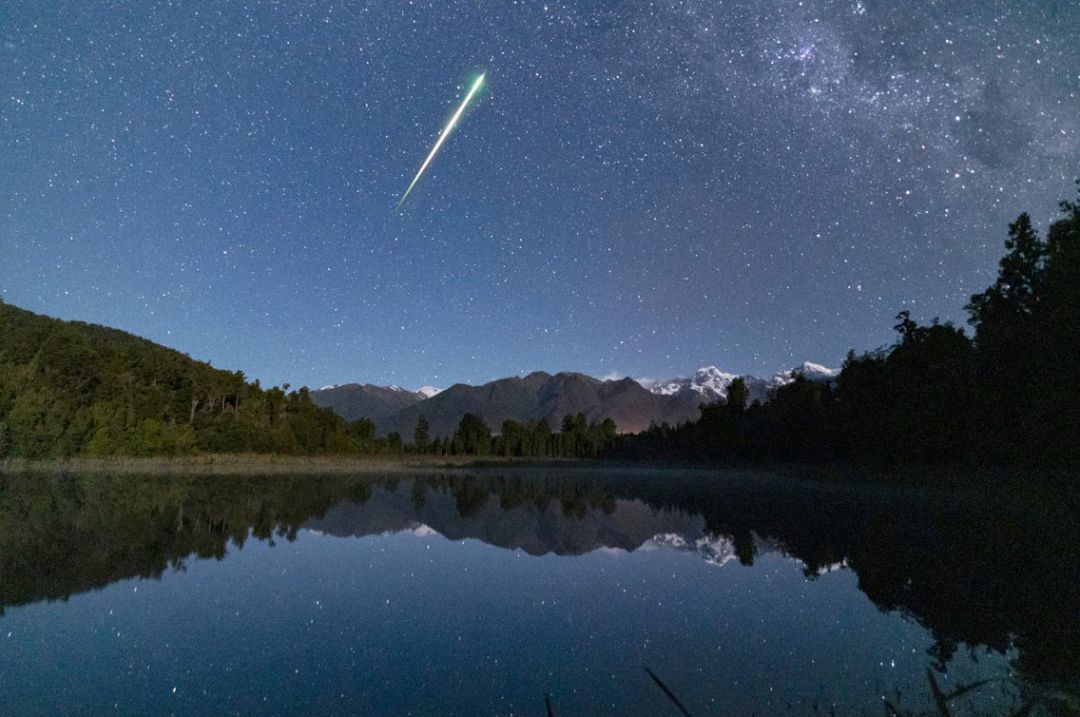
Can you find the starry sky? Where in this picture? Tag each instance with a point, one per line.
(641, 188)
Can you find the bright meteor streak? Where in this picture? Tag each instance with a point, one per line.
(443, 135)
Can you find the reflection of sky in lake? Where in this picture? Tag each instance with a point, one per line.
(408, 623)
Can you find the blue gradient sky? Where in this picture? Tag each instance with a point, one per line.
(641, 188)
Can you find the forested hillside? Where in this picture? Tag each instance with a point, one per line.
(70, 388)
(1009, 395)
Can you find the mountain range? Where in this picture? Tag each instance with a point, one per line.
(712, 383)
(70, 388)
(632, 404)
(377, 403)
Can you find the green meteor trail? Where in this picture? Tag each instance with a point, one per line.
(443, 135)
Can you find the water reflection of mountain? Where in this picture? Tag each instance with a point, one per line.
(536, 527)
(970, 571)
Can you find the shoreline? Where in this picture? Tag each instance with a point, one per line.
(260, 464)
(941, 481)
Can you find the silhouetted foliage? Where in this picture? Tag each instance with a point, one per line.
(531, 439)
(421, 435)
(1009, 396)
(472, 437)
(69, 388)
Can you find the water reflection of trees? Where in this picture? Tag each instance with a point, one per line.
(61, 536)
(971, 571)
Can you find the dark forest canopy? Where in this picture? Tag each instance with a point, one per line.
(1010, 395)
(70, 388)
(1006, 396)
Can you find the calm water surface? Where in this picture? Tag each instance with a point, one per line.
(482, 593)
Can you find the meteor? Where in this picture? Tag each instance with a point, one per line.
(443, 135)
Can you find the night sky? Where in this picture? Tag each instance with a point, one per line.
(640, 188)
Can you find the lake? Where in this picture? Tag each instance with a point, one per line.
(500, 592)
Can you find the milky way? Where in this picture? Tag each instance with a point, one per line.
(652, 186)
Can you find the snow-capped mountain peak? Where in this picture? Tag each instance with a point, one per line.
(428, 391)
(709, 381)
(712, 377)
(815, 370)
(712, 383)
(810, 370)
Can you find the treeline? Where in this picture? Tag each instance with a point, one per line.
(1009, 395)
(532, 439)
(70, 388)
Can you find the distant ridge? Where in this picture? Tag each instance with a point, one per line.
(632, 404)
(364, 400)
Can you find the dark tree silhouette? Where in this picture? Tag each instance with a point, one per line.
(422, 435)
(472, 437)
(1010, 396)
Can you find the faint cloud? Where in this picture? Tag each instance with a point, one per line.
(619, 375)
(993, 130)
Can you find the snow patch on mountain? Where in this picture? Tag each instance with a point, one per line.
(709, 381)
(812, 371)
(713, 549)
(712, 383)
(815, 369)
(429, 391)
(832, 567)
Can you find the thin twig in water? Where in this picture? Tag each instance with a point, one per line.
(670, 695)
(942, 700)
(547, 703)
